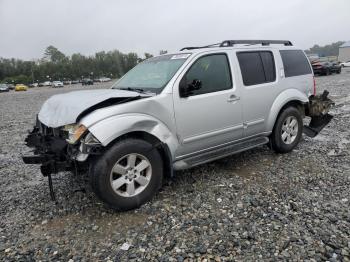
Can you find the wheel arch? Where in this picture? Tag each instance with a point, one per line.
(163, 148)
(111, 130)
(290, 97)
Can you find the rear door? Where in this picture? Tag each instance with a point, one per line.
(260, 86)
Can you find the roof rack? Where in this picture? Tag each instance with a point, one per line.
(198, 47)
(255, 42)
(227, 43)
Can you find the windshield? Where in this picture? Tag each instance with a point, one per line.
(152, 74)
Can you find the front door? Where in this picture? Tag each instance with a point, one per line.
(211, 115)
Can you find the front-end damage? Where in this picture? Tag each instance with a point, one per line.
(55, 152)
(57, 145)
(318, 108)
(53, 149)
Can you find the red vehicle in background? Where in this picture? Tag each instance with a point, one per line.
(325, 68)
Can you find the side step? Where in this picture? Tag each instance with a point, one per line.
(215, 154)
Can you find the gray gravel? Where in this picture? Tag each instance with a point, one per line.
(257, 205)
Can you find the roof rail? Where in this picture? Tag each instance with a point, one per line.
(235, 42)
(255, 42)
(198, 47)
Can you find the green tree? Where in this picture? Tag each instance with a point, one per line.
(54, 55)
(58, 66)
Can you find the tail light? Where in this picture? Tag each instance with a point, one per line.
(314, 85)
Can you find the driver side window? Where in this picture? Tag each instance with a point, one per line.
(214, 73)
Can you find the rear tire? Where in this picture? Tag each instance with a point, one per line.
(287, 131)
(128, 174)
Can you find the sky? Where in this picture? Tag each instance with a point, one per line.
(27, 27)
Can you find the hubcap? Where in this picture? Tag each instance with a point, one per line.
(289, 129)
(131, 175)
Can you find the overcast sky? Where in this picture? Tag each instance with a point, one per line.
(27, 27)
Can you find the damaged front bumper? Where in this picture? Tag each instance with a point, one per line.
(54, 153)
(318, 108)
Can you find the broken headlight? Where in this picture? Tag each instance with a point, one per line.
(74, 132)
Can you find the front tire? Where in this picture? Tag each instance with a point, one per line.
(287, 131)
(128, 174)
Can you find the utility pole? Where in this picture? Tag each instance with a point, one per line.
(32, 71)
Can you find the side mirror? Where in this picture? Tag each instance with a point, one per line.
(187, 89)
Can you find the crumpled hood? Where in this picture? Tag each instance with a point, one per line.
(64, 109)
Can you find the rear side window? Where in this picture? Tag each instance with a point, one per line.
(257, 67)
(295, 63)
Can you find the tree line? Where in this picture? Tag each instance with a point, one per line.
(55, 65)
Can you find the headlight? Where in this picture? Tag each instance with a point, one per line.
(74, 132)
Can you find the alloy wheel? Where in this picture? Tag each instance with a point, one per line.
(131, 175)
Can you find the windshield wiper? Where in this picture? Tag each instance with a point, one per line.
(139, 90)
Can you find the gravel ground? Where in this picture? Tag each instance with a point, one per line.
(256, 205)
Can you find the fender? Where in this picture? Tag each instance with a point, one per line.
(113, 127)
(282, 99)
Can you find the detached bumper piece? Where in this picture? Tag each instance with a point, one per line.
(317, 124)
(318, 109)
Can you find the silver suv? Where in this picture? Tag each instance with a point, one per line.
(176, 111)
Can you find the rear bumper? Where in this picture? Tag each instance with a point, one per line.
(319, 70)
(318, 109)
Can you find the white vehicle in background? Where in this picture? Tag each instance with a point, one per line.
(103, 79)
(57, 84)
(34, 85)
(345, 64)
(47, 83)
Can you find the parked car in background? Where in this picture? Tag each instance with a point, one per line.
(21, 87)
(87, 81)
(57, 84)
(34, 85)
(11, 86)
(325, 68)
(103, 79)
(47, 83)
(67, 82)
(4, 88)
(345, 64)
(74, 82)
(155, 119)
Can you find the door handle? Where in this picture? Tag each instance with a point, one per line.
(233, 98)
